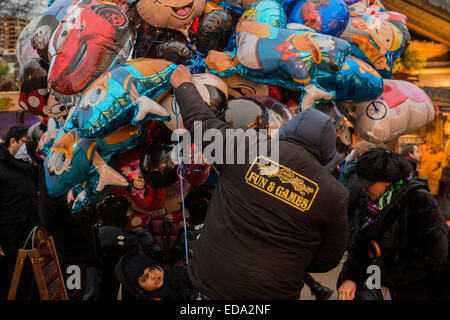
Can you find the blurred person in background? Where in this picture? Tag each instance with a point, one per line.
(18, 203)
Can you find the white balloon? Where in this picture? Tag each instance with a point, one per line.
(401, 109)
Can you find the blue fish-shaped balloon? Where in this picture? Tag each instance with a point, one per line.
(112, 100)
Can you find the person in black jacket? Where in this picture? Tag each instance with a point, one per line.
(403, 233)
(18, 203)
(412, 154)
(147, 280)
(269, 220)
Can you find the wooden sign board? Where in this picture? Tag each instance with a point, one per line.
(43, 259)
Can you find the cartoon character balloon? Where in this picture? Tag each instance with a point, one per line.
(171, 14)
(239, 87)
(72, 160)
(267, 12)
(92, 37)
(237, 6)
(47, 24)
(114, 99)
(377, 38)
(402, 108)
(294, 59)
(33, 86)
(325, 16)
(57, 110)
(24, 48)
(357, 81)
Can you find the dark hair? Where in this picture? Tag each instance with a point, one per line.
(17, 132)
(407, 149)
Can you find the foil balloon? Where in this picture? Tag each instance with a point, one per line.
(175, 51)
(141, 194)
(236, 6)
(278, 113)
(157, 165)
(136, 220)
(239, 87)
(402, 108)
(214, 32)
(378, 38)
(245, 113)
(357, 81)
(149, 38)
(49, 136)
(47, 24)
(72, 160)
(90, 39)
(294, 59)
(124, 94)
(170, 14)
(33, 86)
(211, 88)
(325, 16)
(267, 12)
(24, 47)
(57, 110)
(174, 196)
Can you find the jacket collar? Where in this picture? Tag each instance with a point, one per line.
(307, 146)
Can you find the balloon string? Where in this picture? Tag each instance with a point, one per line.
(175, 111)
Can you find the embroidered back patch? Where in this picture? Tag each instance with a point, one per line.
(282, 183)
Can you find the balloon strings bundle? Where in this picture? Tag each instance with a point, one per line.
(179, 171)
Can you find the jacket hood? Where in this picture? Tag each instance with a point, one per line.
(316, 129)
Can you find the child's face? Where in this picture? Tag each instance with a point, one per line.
(152, 279)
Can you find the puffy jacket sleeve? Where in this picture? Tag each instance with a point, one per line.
(334, 233)
(428, 244)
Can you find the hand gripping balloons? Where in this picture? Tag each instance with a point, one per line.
(402, 108)
(211, 88)
(92, 37)
(325, 16)
(116, 98)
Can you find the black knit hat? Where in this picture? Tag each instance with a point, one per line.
(378, 164)
(134, 266)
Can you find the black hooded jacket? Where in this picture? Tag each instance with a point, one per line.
(18, 189)
(176, 284)
(413, 238)
(264, 228)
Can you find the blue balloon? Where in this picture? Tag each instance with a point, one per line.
(111, 101)
(238, 6)
(325, 16)
(378, 39)
(268, 12)
(356, 81)
(73, 160)
(294, 59)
